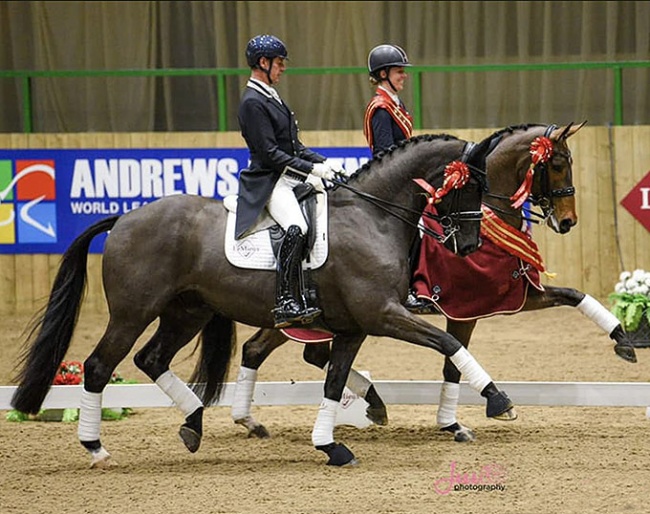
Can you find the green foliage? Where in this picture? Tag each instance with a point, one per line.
(629, 309)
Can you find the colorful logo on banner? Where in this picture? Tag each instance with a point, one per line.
(27, 201)
(48, 197)
(637, 201)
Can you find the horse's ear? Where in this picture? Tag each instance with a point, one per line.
(566, 132)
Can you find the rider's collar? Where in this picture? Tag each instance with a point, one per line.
(263, 88)
(393, 96)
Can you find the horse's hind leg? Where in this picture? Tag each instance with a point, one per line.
(319, 354)
(113, 347)
(176, 329)
(254, 352)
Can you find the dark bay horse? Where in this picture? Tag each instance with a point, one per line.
(551, 190)
(166, 261)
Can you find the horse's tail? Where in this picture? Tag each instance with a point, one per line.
(55, 323)
(218, 342)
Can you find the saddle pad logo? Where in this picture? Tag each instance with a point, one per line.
(27, 201)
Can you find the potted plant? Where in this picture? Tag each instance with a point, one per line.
(631, 304)
(71, 373)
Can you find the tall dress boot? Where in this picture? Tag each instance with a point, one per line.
(288, 309)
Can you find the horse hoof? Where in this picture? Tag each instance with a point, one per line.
(254, 428)
(625, 352)
(509, 415)
(190, 437)
(259, 431)
(377, 415)
(461, 433)
(499, 405)
(339, 455)
(101, 459)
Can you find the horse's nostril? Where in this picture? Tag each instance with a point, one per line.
(565, 225)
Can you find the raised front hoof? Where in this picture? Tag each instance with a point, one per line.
(378, 415)
(339, 455)
(190, 437)
(509, 415)
(461, 434)
(500, 407)
(625, 352)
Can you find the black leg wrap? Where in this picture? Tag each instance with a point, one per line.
(92, 446)
(498, 404)
(339, 455)
(192, 430)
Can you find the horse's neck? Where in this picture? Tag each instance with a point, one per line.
(507, 175)
(392, 178)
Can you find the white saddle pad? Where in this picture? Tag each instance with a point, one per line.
(255, 252)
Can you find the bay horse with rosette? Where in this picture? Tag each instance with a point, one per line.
(166, 262)
(525, 162)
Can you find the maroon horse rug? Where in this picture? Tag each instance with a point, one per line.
(492, 280)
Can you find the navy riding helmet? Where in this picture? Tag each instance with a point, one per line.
(264, 45)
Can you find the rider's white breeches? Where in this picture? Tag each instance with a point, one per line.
(283, 206)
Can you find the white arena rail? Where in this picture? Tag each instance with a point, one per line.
(587, 394)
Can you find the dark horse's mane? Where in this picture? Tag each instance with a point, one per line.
(402, 144)
(496, 136)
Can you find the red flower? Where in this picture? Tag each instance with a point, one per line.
(69, 373)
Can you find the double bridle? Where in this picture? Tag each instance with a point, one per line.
(451, 222)
(543, 200)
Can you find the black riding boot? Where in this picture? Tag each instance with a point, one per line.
(288, 308)
(413, 303)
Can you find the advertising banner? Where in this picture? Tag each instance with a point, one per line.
(48, 197)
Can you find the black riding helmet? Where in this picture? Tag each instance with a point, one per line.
(383, 57)
(267, 46)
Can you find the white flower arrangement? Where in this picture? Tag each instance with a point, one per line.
(631, 298)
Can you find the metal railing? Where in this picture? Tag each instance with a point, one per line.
(416, 73)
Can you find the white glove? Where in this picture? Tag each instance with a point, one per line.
(323, 170)
(337, 168)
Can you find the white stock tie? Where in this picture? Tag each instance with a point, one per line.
(275, 95)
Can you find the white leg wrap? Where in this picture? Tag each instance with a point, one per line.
(595, 311)
(323, 432)
(182, 396)
(358, 384)
(243, 397)
(90, 416)
(467, 365)
(449, 396)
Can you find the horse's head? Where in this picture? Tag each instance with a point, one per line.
(450, 170)
(533, 163)
(457, 199)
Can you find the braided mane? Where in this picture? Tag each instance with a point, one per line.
(401, 145)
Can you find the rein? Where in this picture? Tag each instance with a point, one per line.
(457, 174)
